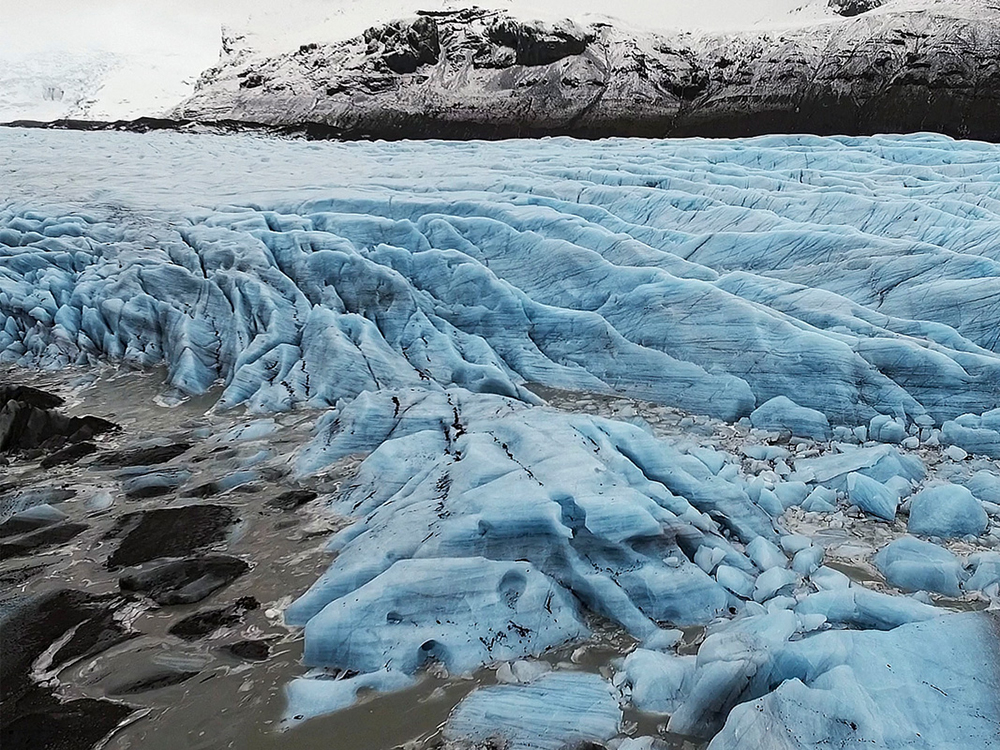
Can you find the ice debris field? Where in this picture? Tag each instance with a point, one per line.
(826, 310)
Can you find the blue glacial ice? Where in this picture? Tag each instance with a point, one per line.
(979, 434)
(590, 266)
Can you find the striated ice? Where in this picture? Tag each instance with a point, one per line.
(495, 271)
(602, 511)
(870, 688)
(558, 710)
(947, 511)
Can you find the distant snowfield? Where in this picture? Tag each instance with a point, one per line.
(109, 59)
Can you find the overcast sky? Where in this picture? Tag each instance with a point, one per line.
(128, 25)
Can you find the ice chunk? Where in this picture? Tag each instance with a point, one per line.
(947, 510)
(735, 580)
(985, 485)
(878, 462)
(807, 560)
(986, 570)
(821, 500)
(886, 429)
(860, 608)
(871, 496)
(781, 414)
(974, 433)
(913, 565)
(765, 554)
(561, 709)
(771, 581)
(791, 493)
(658, 681)
(308, 697)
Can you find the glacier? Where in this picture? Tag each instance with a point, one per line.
(804, 330)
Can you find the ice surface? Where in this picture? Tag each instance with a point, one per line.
(562, 709)
(658, 681)
(947, 511)
(574, 264)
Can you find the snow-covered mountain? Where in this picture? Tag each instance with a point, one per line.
(112, 60)
(482, 73)
(721, 68)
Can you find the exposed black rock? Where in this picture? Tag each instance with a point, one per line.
(207, 621)
(17, 576)
(32, 717)
(249, 650)
(40, 540)
(168, 532)
(55, 725)
(184, 581)
(534, 44)
(23, 425)
(147, 456)
(30, 396)
(292, 499)
(854, 7)
(68, 455)
(405, 46)
(154, 679)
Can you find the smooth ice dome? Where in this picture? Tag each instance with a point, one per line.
(781, 414)
(914, 565)
(947, 511)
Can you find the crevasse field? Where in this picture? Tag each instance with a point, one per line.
(821, 315)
